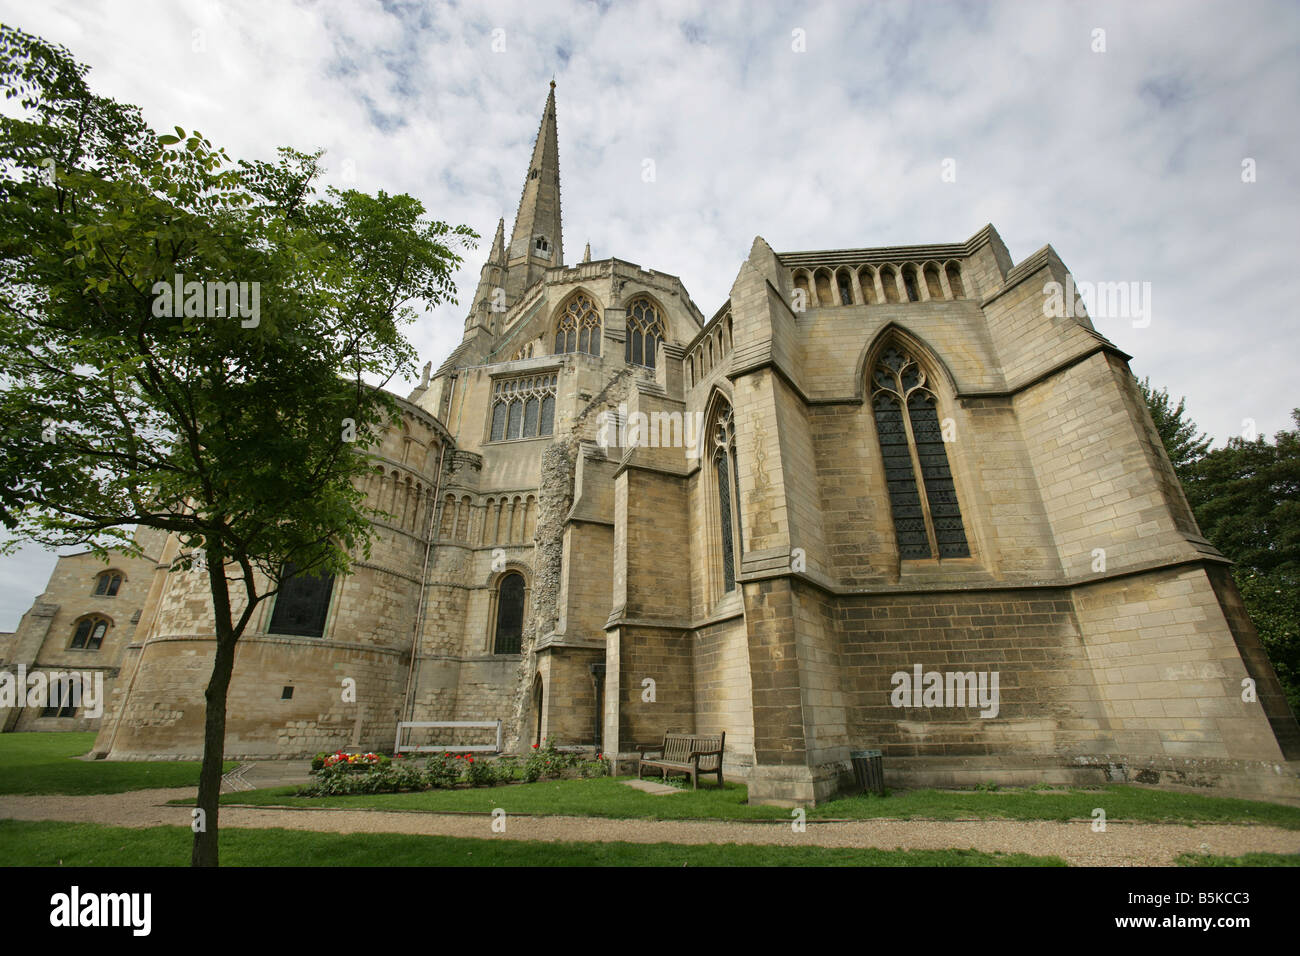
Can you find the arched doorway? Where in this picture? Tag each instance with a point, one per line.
(537, 711)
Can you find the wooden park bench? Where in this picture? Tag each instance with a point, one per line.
(691, 754)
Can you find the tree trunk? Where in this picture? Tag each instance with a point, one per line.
(214, 722)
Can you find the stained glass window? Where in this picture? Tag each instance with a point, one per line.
(915, 458)
(579, 327)
(725, 474)
(108, 583)
(645, 330)
(89, 634)
(523, 407)
(510, 614)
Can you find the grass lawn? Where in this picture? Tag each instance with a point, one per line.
(45, 763)
(608, 797)
(83, 844)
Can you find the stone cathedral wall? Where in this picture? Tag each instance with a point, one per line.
(291, 696)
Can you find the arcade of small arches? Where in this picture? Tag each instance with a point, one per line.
(500, 519)
(709, 351)
(405, 500)
(825, 287)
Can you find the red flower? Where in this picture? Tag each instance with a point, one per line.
(534, 746)
(470, 759)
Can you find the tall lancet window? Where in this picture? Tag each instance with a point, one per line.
(645, 330)
(579, 327)
(723, 455)
(912, 446)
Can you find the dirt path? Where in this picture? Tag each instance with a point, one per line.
(1123, 844)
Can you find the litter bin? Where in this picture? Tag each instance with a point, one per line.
(868, 770)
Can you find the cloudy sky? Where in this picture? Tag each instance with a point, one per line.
(815, 126)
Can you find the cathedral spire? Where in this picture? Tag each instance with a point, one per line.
(537, 243)
(489, 297)
(498, 253)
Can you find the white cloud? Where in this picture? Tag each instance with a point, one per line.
(1127, 162)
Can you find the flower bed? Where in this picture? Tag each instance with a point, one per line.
(350, 762)
(339, 773)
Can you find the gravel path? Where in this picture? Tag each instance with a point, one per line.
(1123, 844)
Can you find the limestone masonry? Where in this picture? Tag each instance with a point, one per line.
(835, 514)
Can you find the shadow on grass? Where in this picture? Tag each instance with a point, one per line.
(40, 763)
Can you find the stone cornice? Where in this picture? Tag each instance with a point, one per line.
(1075, 581)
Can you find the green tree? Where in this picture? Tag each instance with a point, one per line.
(1178, 433)
(1246, 497)
(239, 424)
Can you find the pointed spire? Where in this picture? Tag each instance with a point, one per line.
(491, 278)
(586, 253)
(498, 253)
(537, 243)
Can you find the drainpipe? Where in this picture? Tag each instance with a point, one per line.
(408, 702)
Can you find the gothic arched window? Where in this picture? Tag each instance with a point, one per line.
(726, 487)
(107, 583)
(579, 327)
(89, 634)
(509, 630)
(912, 445)
(645, 330)
(523, 407)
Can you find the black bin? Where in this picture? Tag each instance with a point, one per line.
(868, 770)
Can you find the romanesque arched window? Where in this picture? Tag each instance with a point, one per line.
(911, 443)
(579, 327)
(107, 583)
(726, 491)
(645, 330)
(89, 633)
(509, 627)
(302, 604)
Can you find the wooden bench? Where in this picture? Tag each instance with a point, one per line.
(691, 754)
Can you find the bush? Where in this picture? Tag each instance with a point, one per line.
(479, 773)
(342, 778)
(441, 771)
(594, 768)
(548, 761)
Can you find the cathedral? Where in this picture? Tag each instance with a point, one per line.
(879, 498)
